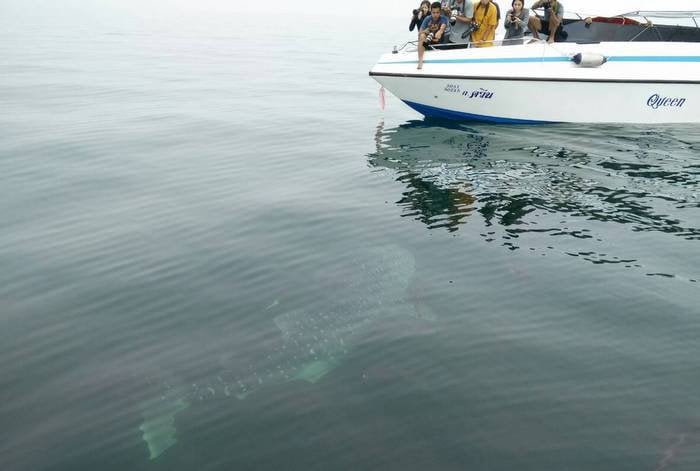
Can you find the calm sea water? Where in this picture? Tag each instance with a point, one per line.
(177, 196)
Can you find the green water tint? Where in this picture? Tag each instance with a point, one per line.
(374, 288)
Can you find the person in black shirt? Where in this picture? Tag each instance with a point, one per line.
(418, 15)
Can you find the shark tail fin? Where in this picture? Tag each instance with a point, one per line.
(158, 427)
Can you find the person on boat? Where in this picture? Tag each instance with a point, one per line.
(419, 15)
(432, 31)
(465, 8)
(516, 23)
(498, 12)
(461, 17)
(551, 24)
(486, 20)
(460, 5)
(445, 7)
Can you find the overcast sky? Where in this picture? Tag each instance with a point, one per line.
(272, 7)
(198, 16)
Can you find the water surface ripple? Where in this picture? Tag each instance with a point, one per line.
(218, 253)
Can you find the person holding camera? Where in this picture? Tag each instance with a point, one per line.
(419, 15)
(461, 14)
(516, 23)
(485, 22)
(432, 31)
(459, 9)
(446, 6)
(449, 6)
(551, 24)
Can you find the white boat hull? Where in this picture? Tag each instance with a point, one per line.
(537, 83)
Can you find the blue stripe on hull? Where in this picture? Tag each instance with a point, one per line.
(513, 60)
(485, 60)
(432, 112)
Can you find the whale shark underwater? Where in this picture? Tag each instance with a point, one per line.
(368, 287)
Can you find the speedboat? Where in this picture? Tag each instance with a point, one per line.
(622, 69)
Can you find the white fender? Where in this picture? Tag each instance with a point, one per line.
(589, 59)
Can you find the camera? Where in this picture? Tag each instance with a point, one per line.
(429, 38)
(547, 4)
(453, 17)
(415, 13)
(471, 27)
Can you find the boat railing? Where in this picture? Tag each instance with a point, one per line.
(653, 25)
(693, 15)
(665, 14)
(467, 45)
(646, 15)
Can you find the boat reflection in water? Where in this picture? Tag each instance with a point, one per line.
(430, 161)
(597, 186)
